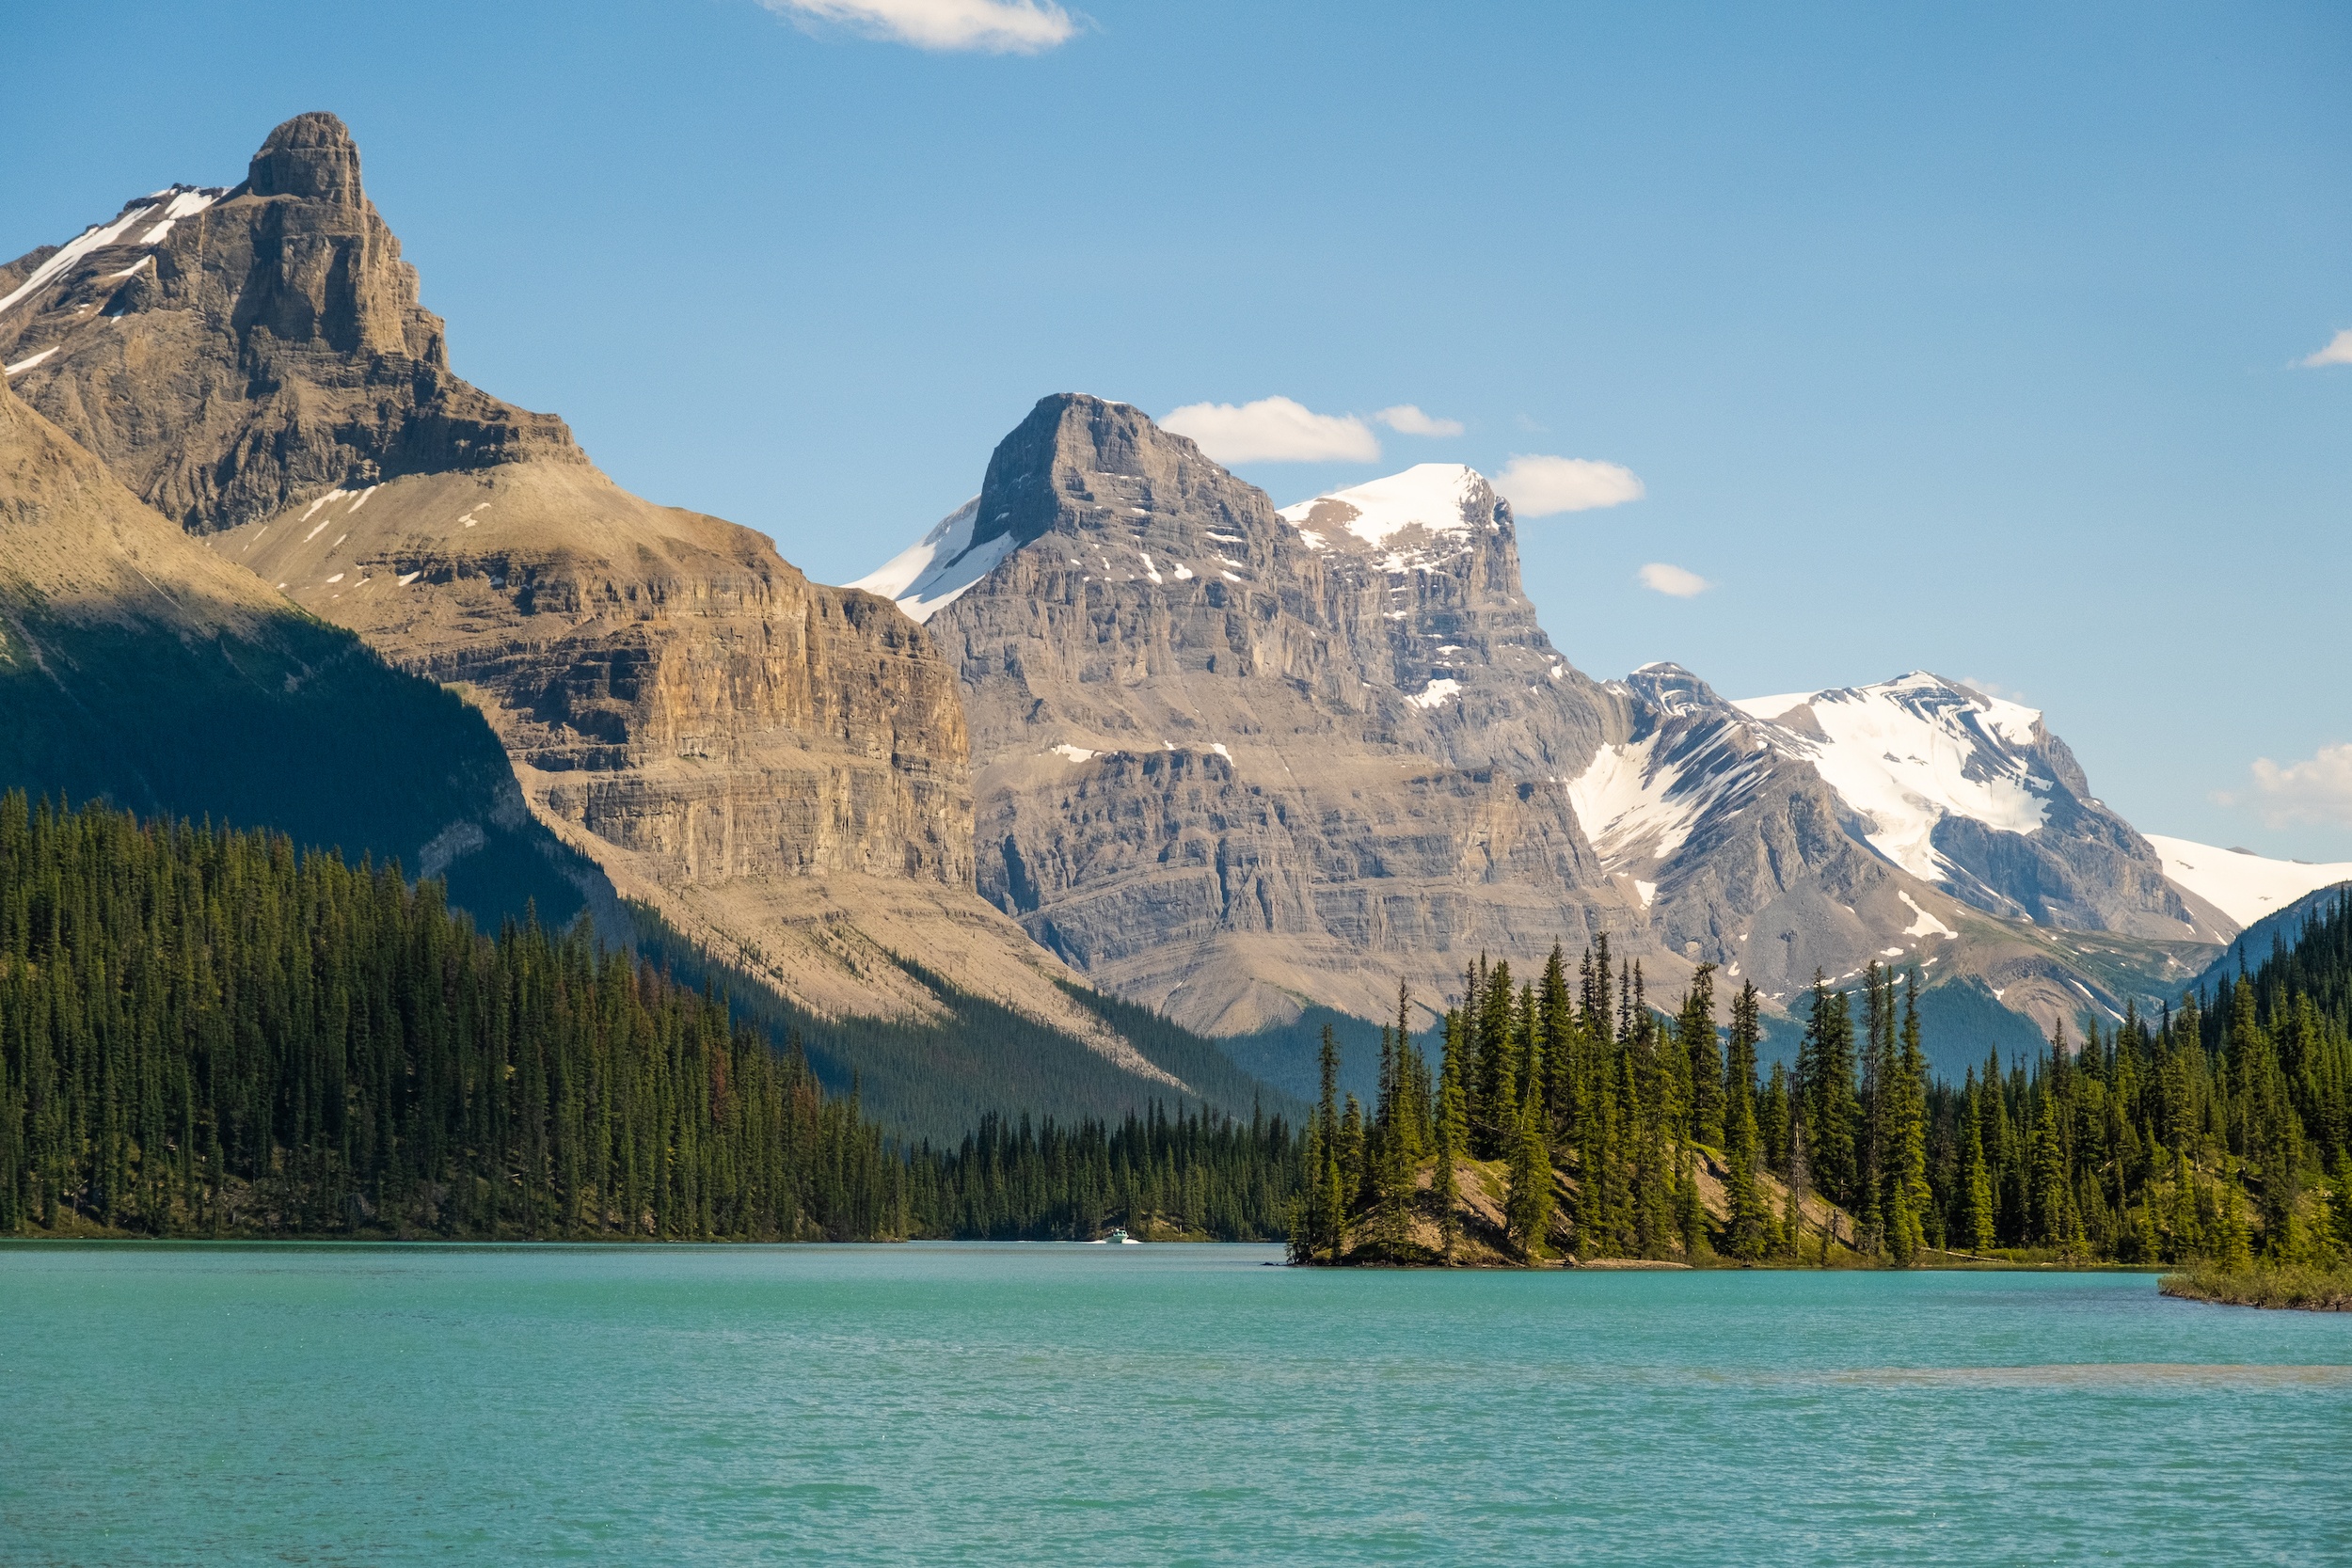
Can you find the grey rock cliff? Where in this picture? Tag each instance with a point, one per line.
(1231, 765)
(227, 352)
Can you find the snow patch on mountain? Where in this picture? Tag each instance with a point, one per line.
(1442, 498)
(2243, 886)
(934, 571)
(186, 201)
(1927, 924)
(1624, 800)
(1908, 752)
(1437, 691)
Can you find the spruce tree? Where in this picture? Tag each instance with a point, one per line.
(1826, 1095)
(1911, 1199)
(1703, 1068)
(1498, 1066)
(1526, 1201)
(1975, 1183)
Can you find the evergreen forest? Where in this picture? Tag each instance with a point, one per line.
(205, 1033)
(1567, 1114)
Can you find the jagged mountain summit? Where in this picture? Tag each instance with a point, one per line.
(1974, 793)
(1233, 760)
(1963, 793)
(778, 769)
(1231, 767)
(228, 350)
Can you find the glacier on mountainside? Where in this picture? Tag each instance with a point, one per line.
(1443, 499)
(2242, 885)
(936, 569)
(1907, 753)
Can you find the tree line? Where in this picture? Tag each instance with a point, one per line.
(1619, 1129)
(204, 1031)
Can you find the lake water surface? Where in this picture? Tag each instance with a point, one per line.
(1036, 1405)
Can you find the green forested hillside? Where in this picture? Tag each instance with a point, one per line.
(1188, 1175)
(2215, 1131)
(204, 1031)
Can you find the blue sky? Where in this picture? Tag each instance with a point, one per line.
(1968, 341)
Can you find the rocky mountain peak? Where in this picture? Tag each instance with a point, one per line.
(1227, 764)
(1672, 689)
(310, 156)
(232, 352)
(1085, 465)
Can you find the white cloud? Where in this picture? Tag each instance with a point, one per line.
(1273, 430)
(1539, 486)
(1674, 581)
(2337, 352)
(1992, 689)
(2317, 789)
(1407, 420)
(991, 26)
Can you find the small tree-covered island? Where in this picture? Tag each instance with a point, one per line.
(205, 1032)
(1569, 1120)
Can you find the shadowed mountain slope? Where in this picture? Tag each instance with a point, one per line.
(136, 667)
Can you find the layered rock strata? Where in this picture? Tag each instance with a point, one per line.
(1230, 764)
(777, 766)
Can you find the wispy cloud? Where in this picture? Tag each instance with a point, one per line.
(1992, 689)
(2337, 352)
(1407, 420)
(1540, 486)
(2317, 789)
(1273, 430)
(987, 26)
(1659, 578)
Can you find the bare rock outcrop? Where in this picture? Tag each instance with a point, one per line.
(1230, 764)
(228, 350)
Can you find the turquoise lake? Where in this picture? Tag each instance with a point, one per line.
(1038, 1404)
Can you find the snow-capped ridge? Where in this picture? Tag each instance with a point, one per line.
(2243, 885)
(934, 571)
(1909, 753)
(166, 207)
(1442, 498)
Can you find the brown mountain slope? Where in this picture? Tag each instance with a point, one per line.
(778, 768)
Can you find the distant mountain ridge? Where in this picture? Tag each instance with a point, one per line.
(1150, 651)
(1233, 761)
